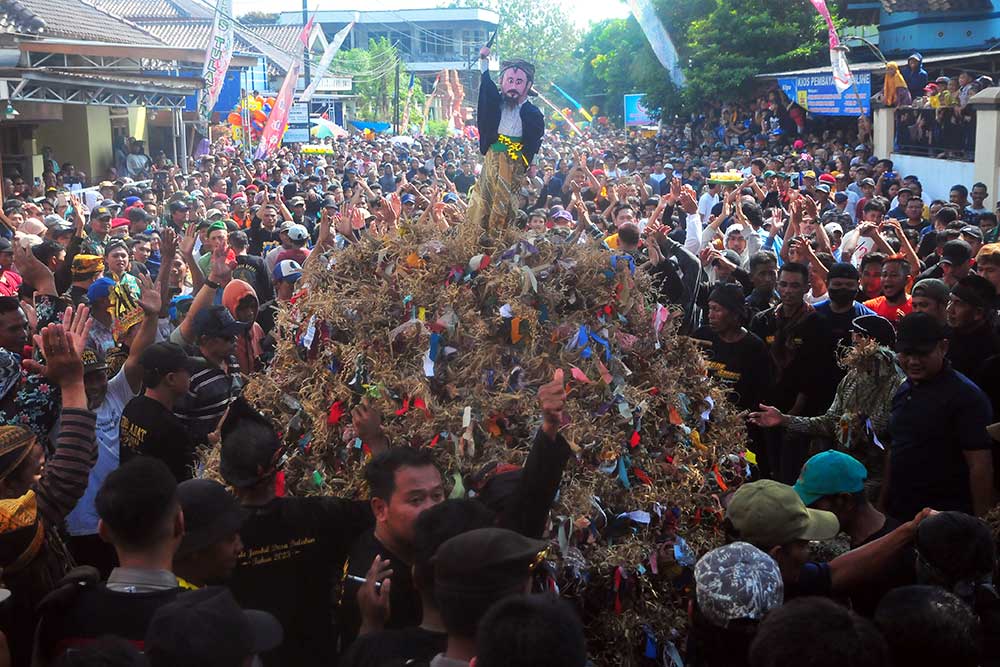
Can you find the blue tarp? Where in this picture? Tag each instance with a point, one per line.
(229, 96)
(377, 128)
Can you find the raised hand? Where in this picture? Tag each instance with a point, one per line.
(61, 347)
(219, 269)
(168, 244)
(688, 202)
(190, 236)
(149, 297)
(552, 399)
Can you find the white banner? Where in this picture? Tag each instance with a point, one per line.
(324, 63)
(842, 76)
(217, 57)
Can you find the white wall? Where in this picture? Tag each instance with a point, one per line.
(936, 176)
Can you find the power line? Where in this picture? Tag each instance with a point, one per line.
(390, 59)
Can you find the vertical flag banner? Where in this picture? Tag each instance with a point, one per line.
(658, 38)
(324, 63)
(217, 57)
(405, 123)
(277, 120)
(842, 77)
(307, 31)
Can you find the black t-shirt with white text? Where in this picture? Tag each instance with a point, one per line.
(292, 560)
(742, 367)
(147, 428)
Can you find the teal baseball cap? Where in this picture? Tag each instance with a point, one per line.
(829, 473)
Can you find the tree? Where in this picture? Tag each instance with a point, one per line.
(258, 18)
(538, 32)
(615, 58)
(374, 73)
(722, 45)
(739, 39)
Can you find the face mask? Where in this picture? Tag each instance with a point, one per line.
(841, 296)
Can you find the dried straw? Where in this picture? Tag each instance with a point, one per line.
(346, 336)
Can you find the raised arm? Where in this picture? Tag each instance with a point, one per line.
(149, 300)
(64, 477)
(219, 272)
(529, 509)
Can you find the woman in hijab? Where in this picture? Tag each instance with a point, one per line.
(894, 90)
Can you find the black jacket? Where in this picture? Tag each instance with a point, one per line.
(488, 120)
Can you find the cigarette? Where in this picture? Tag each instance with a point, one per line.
(360, 580)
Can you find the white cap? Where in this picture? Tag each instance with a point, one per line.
(832, 227)
(298, 233)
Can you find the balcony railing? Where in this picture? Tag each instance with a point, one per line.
(947, 133)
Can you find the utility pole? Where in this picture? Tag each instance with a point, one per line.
(395, 101)
(305, 47)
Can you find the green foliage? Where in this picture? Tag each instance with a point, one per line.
(258, 18)
(539, 32)
(722, 44)
(437, 128)
(739, 39)
(374, 73)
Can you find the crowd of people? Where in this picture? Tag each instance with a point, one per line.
(852, 318)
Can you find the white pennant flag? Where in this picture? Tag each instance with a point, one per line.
(217, 57)
(324, 63)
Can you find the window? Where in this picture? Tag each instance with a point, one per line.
(472, 41)
(378, 35)
(436, 42)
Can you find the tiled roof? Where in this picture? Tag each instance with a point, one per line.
(182, 85)
(143, 9)
(195, 33)
(283, 37)
(69, 19)
(188, 33)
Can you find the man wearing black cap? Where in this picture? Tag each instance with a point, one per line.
(178, 211)
(841, 309)
(954, 263)
(735, 357)
(215, 375)
(970, 315)
(862, 402)
(211, 546)
(472, 571)
(207, 628)
(939, 452)
(100, 225)
(148, 424)
(931, 296)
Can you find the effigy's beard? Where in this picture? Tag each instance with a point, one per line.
(511, 101)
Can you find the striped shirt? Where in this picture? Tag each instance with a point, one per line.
(211, 392)
(67, 470)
